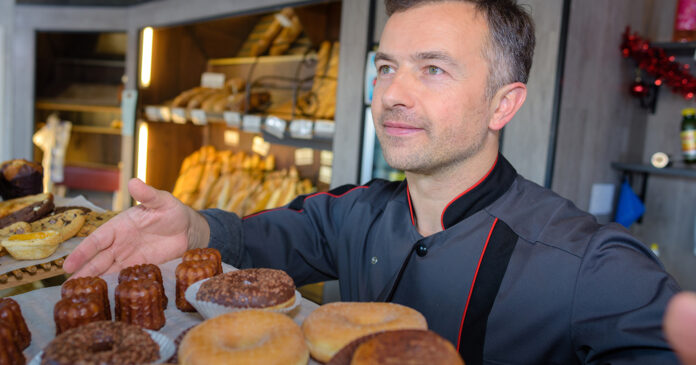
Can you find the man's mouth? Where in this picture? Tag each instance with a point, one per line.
(400, 129)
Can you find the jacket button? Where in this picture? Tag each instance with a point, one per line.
(421, 250)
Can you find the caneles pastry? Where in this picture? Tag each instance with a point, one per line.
(204, 254)
(86, 285)
(77, 310)
(143, 272)
(12, 315)
(140, 302)
(188, 273)
(10, 351)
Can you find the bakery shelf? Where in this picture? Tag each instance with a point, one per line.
(58, 106)
(678, 170)
(677, 48)
(315, 143)
(95, 129)
(260, 59)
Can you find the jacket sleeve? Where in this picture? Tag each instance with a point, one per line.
(620, 298)
(297, 238)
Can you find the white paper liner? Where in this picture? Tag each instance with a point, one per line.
(209, 310)
(166, 348)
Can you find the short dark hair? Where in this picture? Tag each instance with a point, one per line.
(511, 38)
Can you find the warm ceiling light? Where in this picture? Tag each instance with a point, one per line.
(146, 58)
(141, 172)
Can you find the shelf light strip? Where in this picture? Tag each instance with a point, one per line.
(146, 58)
(142, 152)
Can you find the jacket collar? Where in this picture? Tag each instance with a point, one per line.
(487, 190)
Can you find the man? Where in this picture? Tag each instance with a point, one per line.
(506, 270)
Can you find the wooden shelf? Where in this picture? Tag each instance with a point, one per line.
(679, 170)
(677, 48)
(56, 106)
(261, 59)
(96, 129)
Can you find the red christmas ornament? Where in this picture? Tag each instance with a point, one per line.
(638, 88)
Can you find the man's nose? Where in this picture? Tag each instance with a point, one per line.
(399, 91)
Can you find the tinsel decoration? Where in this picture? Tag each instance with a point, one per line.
(656, 63)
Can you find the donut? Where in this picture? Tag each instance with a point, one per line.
(258, 337)
(250, 288)
(102, 342)
(403, 347)
(334, 325)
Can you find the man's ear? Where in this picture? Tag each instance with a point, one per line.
(506, 102)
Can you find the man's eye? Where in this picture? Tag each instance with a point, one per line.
(434, 70)
(384, 69)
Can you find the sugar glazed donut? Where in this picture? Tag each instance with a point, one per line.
(102, 342)
(334, 325)
(245, 337)
(250, 288)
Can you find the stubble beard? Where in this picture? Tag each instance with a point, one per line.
(440, 153)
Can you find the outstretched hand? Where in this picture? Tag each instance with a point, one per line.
(680, 326)
(161, 228)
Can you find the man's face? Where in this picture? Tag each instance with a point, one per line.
(429, 106)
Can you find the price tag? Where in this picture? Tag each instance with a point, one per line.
(324, 128)
(213, 80)
(166, 114)
(326, 158)
(283, 20)
(251, 123)
(275, 126)
(231, 138)
(304, 156)
(198, 117)
(233, 119)
(301, 128)
(325, 174)
(179, 115)
(129, 99)
(152, 113)
(260, 146)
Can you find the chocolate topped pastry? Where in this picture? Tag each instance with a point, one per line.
(102, 342)
(250, 288)
(20, 178)
(404, 347)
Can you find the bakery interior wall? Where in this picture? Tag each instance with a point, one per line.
(6, 28)
(600, 123)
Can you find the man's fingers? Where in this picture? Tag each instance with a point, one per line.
(100, 264)
(148, 196)
(101, 239)
(680, 326)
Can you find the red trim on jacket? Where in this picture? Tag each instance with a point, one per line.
(442, 216)
(410, 207)
(473, 282)
(307, 197)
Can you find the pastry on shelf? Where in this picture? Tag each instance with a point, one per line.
(20, 178)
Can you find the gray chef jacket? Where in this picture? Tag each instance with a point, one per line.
(518, 275)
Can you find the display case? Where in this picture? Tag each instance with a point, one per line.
(79, 79)
(262, 85)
